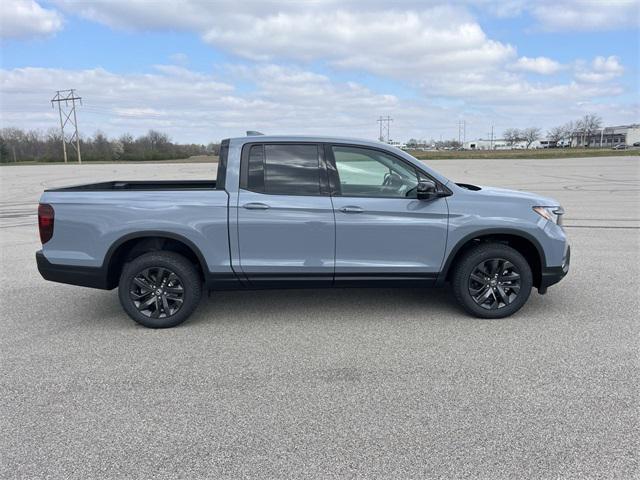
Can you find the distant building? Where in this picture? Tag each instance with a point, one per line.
(396, 144)
(481, 144)
(501, 144)
(605, 137)
(608, 137)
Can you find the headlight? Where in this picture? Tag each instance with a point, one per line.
(553, 214)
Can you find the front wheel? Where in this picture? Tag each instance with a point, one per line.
(492, 281)
(159, 289)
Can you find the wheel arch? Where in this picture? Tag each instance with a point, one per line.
(130, 246)
(527, 245)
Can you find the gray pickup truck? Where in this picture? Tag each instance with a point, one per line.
(291, 212)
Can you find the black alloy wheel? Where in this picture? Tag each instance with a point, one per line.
(494, 283)
(157, 292)
(492, 280)
(160, 289)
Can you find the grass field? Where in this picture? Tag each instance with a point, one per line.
(538, 153)
(437, 154)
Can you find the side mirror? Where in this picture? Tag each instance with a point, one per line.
(426, 189)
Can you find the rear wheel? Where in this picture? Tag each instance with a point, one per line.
(492, 281)
(159, 289)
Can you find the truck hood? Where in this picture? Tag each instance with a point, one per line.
(506, 195)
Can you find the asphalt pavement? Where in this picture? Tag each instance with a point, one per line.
(345, 383)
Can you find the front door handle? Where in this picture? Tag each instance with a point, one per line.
(351, 210)
(256, 206)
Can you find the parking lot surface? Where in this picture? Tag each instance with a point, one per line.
(355, 383)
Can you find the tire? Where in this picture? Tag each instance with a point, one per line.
(154, 303)
(507, 290)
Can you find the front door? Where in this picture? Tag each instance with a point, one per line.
(286, 227)
(383, 232)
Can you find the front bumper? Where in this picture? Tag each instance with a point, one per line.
(552, 275)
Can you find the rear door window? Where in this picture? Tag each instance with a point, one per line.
(284, 169)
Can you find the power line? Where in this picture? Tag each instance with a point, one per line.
(69, 114)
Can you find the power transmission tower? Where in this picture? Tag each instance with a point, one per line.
(388, 121)
(491, 137)
(462, 131)
(68, 115)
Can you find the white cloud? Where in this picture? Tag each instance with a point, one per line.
(196, 107)
(26, 18)
(191, 106)
(602, 69)
(566, 15)
(586, 15)
(375, 37)
(540, 65)
(440, 55)
(440, 49)
(385, 42)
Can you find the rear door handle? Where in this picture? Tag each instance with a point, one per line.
(256, 206)
(351, 210)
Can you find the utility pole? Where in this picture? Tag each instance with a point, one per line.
(491, 138)
(68, 115)
(462, 132)
(386, 120)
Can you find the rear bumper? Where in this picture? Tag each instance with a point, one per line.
(552, 275)
(94, 277)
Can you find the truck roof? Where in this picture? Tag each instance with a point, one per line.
(309, 138)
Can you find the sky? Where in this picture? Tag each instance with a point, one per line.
(201, 70)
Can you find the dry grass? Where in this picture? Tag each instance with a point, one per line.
(513, 154)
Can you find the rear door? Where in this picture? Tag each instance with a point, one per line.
(286, 226)
(383, 232)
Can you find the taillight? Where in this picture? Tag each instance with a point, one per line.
(45, 222)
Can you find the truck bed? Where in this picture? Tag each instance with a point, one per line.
(141, 185)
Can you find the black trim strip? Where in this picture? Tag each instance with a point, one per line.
(140, 185)
(552, 275)
(93, 277)
(221, 176)
(108, 258)
(358, 280)
(486, 232)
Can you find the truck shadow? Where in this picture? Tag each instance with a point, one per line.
(318, 304)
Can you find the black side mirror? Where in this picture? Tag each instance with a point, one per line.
(426, 189)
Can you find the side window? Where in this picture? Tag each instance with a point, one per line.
(283, 169)
(222, 165)
(369, 173)
(255, 173)
(292, 169)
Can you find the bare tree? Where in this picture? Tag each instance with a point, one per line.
(531, 134)
(588, 126)
(556, 134)
(512, 135)
(569, 131)
(18, 145)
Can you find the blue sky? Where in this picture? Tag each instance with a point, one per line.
(205, 70)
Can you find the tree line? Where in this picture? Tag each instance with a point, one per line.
(17, 145)
(581, 129)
